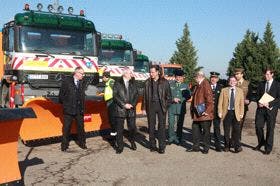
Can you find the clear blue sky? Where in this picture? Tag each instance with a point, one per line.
(153, 26)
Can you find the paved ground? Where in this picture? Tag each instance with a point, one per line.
(99, 165)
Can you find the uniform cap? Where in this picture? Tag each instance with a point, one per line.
(239, 70)
(214, 74)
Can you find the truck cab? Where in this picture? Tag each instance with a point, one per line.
(41, 47)
(167, 70)
(115, 54)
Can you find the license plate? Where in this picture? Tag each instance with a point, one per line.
(38, 76)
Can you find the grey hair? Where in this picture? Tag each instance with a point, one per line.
(200, 73)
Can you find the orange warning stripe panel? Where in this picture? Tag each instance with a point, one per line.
(49, 119)
(9, 169)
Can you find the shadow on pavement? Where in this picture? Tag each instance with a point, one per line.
(27, 163)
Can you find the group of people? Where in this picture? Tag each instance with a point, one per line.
(210, 103)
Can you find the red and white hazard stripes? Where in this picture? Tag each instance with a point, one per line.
(141, 76)
(22, 62)
(170, 78)
(115, 70)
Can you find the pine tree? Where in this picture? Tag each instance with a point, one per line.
(270, 51)
(186, 55)
(247, 56)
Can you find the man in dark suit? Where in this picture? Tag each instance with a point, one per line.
(157, 99)
(72, 96)
(216, 90)
(125, 96)
(267, 112)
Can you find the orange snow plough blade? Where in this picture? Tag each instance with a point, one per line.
(10, 123)
(49, 119)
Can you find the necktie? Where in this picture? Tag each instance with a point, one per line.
(267, 86)
(213, 87)
(178, 84)
(231, 101)
(77, 84)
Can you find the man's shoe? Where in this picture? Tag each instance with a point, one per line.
(257, 148)
(63, 149)
(119, 151)
(218, 149)
(161, 151)
(133, 146)
(193, 150)
(267, 152)
(237, 150)
(205, 151)
(226, 149)
(153, 149)
(83, 146)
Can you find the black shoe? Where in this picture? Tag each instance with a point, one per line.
(193, 150)
(257, 148)
(133, 146)
(218, 149)
(267, 152)
(119, 151)
(237, 150)
(83, 146)
(63, 149)
(161, 151)
(226, 149)
(153, 149)
(205, 151)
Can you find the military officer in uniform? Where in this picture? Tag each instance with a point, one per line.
(177, 110)
(216, 90)
(244, 85)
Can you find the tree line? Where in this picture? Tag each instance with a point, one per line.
(253, 54)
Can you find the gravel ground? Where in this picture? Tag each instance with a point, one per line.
(100, 165)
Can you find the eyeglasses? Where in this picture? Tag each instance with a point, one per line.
(82, 73)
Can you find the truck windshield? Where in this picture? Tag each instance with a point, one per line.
(169, 71)
(116, 57)
(56, 41)
(141, 66)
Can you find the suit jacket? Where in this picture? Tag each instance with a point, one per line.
(183, 93)
(164, 93)
(274, 91)
(73, 99)
(238, 103)
(203, 94)
(122, 97)
(216, 95)
(245, 86)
